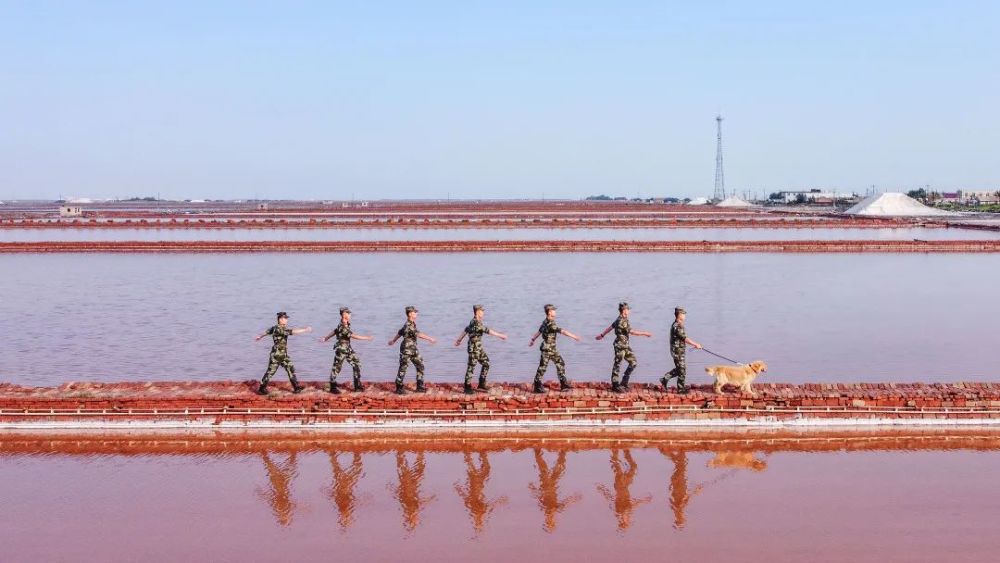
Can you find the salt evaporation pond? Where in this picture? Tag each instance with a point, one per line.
(223, 497)
(740, 234)
(829, 318)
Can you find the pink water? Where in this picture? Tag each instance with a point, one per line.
(601, 497)
(193, 317)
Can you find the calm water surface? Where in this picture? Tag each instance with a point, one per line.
(21, 235)
(193, 317)
(778, 497)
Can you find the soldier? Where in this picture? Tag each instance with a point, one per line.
(408, 351)
(623, 351)
(678, 348)
(279, 353)
(477, 355)
(549, 331)
(344, 351)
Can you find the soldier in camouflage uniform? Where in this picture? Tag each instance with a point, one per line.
(408, 352)
(477, 355)
(279, 353)
(623, 350)
(678, 347)
(549, 330)
(344, 351)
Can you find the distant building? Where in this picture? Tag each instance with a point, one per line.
(978, 197)
(951, 197)
(811, 196)
(261, 207)
(70, 211)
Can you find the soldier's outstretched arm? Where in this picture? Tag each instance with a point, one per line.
(605, 333)
(362, 337)
(461, 337)
(393, 340)
(692, 343)
(533, 339)
(569, 334)
(423, 336)
(328, 336)
(640, 333)
(302, 330)
(266, 332)
(499, 335)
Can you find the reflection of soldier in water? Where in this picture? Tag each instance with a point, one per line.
(408, 490)
(279, 496)
(621, 500)
(342, 491)
(474, 493)
(547, 490)
(679, 495)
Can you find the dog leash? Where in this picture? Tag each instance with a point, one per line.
(719, 355)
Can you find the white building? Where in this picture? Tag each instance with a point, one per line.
(70, 211)
(812, 195)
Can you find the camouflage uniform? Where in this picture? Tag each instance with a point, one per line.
(623, 351)
(343, 351)
(477, 355)
(548, 331)
(408, 353)
(678, 347)
(279, 355)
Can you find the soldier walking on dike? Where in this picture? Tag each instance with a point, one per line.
(279, 353)
(678, 349)
(477, 354)
(344, 351)
(408, 351)
(623, 350)
(549, 331)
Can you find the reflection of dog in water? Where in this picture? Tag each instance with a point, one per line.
(737, 460)
(741, 376)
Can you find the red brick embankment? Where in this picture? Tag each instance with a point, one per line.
(236, 402)
(769, 246)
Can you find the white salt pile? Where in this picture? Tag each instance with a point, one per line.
(698, 201)
(733, 201)
(893, 205)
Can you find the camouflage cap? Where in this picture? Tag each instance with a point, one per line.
(477, 307)
(549, 307)
(411, 309)
(282, 315)
(344, 310)
(679, 311)
(622, 306)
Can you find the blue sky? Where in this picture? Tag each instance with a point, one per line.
(329, 100)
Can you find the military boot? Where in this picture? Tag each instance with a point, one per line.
(400, 390)
(625, 381)
(420, 387)
(262, 389)
(538, 387)
(617, 388)
(468, 389)
(682, 389)
(357, 384)
(564, 385)
(664, 381)
(334, 389)
(482, 383)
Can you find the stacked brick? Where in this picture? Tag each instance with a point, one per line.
(507, 402)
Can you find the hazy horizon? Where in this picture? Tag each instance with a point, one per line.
(438, 100)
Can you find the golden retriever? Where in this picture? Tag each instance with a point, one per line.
(741, 376)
